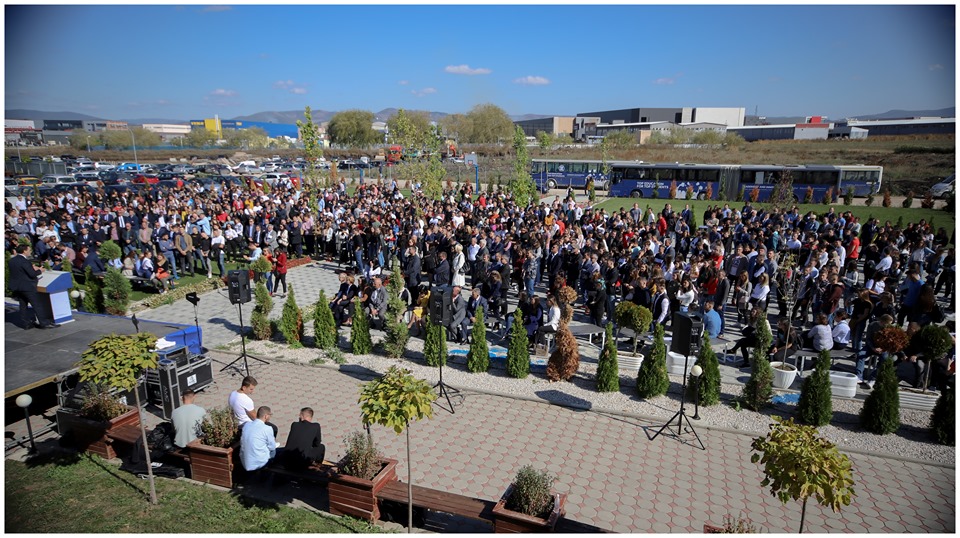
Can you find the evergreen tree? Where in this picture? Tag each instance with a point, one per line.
(478, 358)
(881, 410)
(435, 344)
(360, 330)
(6, 273)
(944, 418)
(93, 301)
(398, 334)
(652, 379)
(291, 321)
(116, 294)
(518, 355)
(709, 384)
(759, 388)
(260, 319)
(608, 373)
(816, 399)
(324, 326)
(67, 267)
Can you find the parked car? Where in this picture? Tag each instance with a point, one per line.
(149, 179)
(274, 177)
(11, 186)
(54, 179)
(119, 189)
(943, 188)
(129, 167)
(168, 175)
(183, 169)
(87, 175)
(269, 167)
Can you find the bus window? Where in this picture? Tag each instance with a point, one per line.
(616, 175)
(553, 167)
(538, 168)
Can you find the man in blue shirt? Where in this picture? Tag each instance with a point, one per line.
(711, 320)
(257, 442)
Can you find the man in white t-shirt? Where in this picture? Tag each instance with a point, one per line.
(241, 402)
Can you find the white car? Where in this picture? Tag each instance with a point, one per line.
(58, 180)
(273, 178)
(942, 189)
(269, 167)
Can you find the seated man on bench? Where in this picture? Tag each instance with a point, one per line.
(186, 419)
(304, 444)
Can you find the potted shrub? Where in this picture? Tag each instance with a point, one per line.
(359, 477)
(733, 525)
(800, 464)
(529, 504)
(637, 319)
(213, 454)
(99, 414)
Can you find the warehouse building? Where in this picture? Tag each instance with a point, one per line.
(553, 125)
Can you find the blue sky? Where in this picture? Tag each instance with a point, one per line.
(188, 62)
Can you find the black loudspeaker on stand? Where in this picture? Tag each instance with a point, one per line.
(444, 391)
(239, 286)
(682, 327)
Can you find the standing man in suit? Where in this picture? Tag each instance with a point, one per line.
(411, 273)
(441, 276)
(23, 284)
(458, 318)
(305, 442)
(720, 297)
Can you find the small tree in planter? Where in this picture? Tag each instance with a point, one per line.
(260, 266)
(800, 464)
(118, 361)
(709, 384)
(943, 420)
(324, 327)
(435, 344)
(652, 379)
(360, 330)
(291, 321)
(673, 189)
(908, 201)
(927, 202)
(808, 196)
(109, 251)
(881, 409)
(478, 358)
(212, 453)
(754, 194)
(759, 388)
(871, 197)
(395, 400)
(259, 320)
(608, 372)
(935, 341)
(634, 317)
(529, 504)
(518, 354)
(816, 400)
(116, 292)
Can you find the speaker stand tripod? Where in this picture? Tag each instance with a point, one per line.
(681, 415)
(445, 391)
(243, 346)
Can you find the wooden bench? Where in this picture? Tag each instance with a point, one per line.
(126, 434)
(439, 501)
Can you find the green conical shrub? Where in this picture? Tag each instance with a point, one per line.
(260, 319)
(324, 326)
(518, 355)
(6, 273)
(608, 373)
(67, 267)
(93, 301)
(435, 344)
(709, 384)
(116, 292)
(395, 343)
(816, 399)
(360, 331)
(943, 419)
(478, 358)
(109, 251)
(758, 390)
(291, 321)
(652, 379)
(881, 410)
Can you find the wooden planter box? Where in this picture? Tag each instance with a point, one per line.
(212, 464)
(506, 520)
(91, 435)
(356, 497)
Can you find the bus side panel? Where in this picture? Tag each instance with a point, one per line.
(860, 188)
(625, 189)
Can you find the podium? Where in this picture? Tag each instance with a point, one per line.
(54, 290)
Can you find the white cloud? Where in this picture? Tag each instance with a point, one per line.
(665, 81)
(298, 91)
(290, 86)
(466, 70)
(423, 92)
(220, 92)
(403, 82)
(216, 9)
(935, 67)
(532, 80)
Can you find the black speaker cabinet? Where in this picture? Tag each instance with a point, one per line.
(436, 305)
(169, 387)
(238, 285)
(687, 331)
(447, 307)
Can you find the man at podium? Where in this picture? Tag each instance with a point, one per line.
(23, 285)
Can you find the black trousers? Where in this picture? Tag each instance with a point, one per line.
(39, 311)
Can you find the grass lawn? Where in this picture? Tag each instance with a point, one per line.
(139, 294)
(86, 495)
(914, 214)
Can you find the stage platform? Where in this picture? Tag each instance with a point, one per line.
(38, 356)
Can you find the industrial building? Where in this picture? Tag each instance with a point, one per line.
(787, 131)
(906, 126)
(273, 130)
(168, 131)
(593, 124)
(21, 132)
(553, 125)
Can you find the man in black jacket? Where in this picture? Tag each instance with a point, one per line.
(304, 443)
(23, 285)
(720, 297)
(411, 272)
(441, 275)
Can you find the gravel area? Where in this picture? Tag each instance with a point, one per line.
(913, 440)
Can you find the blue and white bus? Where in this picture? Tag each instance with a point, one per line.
(564, 173)
(639, 180)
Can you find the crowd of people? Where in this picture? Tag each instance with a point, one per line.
(831, 278)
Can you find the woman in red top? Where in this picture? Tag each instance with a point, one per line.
(280, 270)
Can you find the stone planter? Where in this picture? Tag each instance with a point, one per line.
(351, 496)
(91, 435)
(675, 363)
(506, 520)
(843, 384)
(783, 374)
(211, 464)
(628, 361)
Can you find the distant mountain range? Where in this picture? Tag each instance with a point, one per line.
(291, 116)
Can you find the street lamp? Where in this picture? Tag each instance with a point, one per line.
(134, 140)
(696, 372)
(24, 401)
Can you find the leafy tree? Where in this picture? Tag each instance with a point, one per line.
(123, 140)
(816, 400)
(81, 140)
(200, 138)
(619, 139)
(523, 188)
(759, 388)
(410, 129)
(249, 138)
(881, 410)
(394, 400)
(488, 124)
(708, 137)
(652, 379)
(116, 292)
(353, 128)
(478, 358)
(518, 354)
(109, 250)
(709, 384)
(782, 196)
(398, 334)
(324, 326)
(118, 361)
(312, 149)
(360, 330)
(943, 420)
(435, 344)
(800, 464)
(608, 372)
(457, 126)
(260, 320)
(544, 140)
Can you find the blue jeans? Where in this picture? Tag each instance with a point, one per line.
(723, 321)
(220, 262)
(360, 266)
(173, 264)
(862, 357)
(530, 286)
